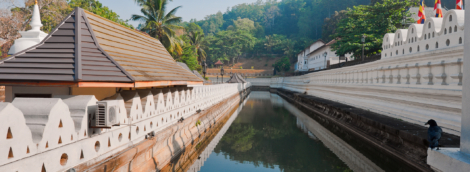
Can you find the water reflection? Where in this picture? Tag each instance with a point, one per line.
(196, 166)
(264, 137)
(353, 158)
(270, 134)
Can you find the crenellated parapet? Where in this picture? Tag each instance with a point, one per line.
(54, 133)
(434, 34)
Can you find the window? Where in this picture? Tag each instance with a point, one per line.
(398, 35)
(425, 36)
(445, 31)
(412, 30)
(385, 54)
(455, 29)
(427, 47)
(403, 51)
(460, 40)
(429, 25)
(396, 52)
(429, 35)
(416, 38)
(411, 49)
(433, 34)
(450, 18)
(409, 41)
(390, 54)
(418, 48)
(437, 45)
(448, 42)
(450, 29)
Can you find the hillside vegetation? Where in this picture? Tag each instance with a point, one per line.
(282, 29)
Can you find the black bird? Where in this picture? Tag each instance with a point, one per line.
(434, 134)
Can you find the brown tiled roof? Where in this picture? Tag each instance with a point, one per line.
(219, 63)
(236, 78)
(98, 51)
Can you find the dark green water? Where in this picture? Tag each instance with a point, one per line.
(270, 134)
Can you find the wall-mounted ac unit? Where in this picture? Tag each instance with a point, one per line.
(106, 114)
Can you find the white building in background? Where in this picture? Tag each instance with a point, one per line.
(317, 56)
(323, 56)
(302, 64)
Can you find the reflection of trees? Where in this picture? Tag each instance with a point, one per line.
(242, 138)
(272, 138)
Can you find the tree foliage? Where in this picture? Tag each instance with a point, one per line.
(230, 45)
(373, 21)
(277, 28)
(159, 23)
(96, 7)
(282, 65)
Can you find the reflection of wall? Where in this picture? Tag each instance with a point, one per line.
(353, 158)
(196, 166)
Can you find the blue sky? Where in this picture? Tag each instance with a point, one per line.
(197, 9)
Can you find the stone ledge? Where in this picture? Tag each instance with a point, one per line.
(402, 139)
(448, 159)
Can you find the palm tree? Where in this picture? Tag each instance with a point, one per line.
(159, 24)
(197, 40)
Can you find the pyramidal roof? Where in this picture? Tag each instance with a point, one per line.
(87, 50)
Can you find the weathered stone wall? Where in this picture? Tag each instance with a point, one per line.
(53, 134)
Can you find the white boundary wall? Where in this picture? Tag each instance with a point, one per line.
(32, 127)
(415, 86)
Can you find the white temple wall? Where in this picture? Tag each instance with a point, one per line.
(54, 133)
(414, 87)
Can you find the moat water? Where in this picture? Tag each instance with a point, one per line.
(270, 134)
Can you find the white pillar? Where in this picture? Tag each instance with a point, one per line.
(465, 130)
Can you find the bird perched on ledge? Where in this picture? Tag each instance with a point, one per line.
(434, 134)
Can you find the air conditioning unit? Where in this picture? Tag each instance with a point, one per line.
(106, 114)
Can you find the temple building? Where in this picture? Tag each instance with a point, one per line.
(88, 55)
(318, 56)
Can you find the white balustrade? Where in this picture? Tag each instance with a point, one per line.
(53, 133)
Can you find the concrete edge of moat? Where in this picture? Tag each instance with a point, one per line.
(404, 140)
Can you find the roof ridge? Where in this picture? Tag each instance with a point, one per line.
(90, 29)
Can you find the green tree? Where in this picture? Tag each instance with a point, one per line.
(329, 25)
(244, 24)
(189, 57)
(198, 42)
(96, 7)
(230, 45)
(193, 27)
(373, 21)
(160, 24)
(282, 65)
(212, 23)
